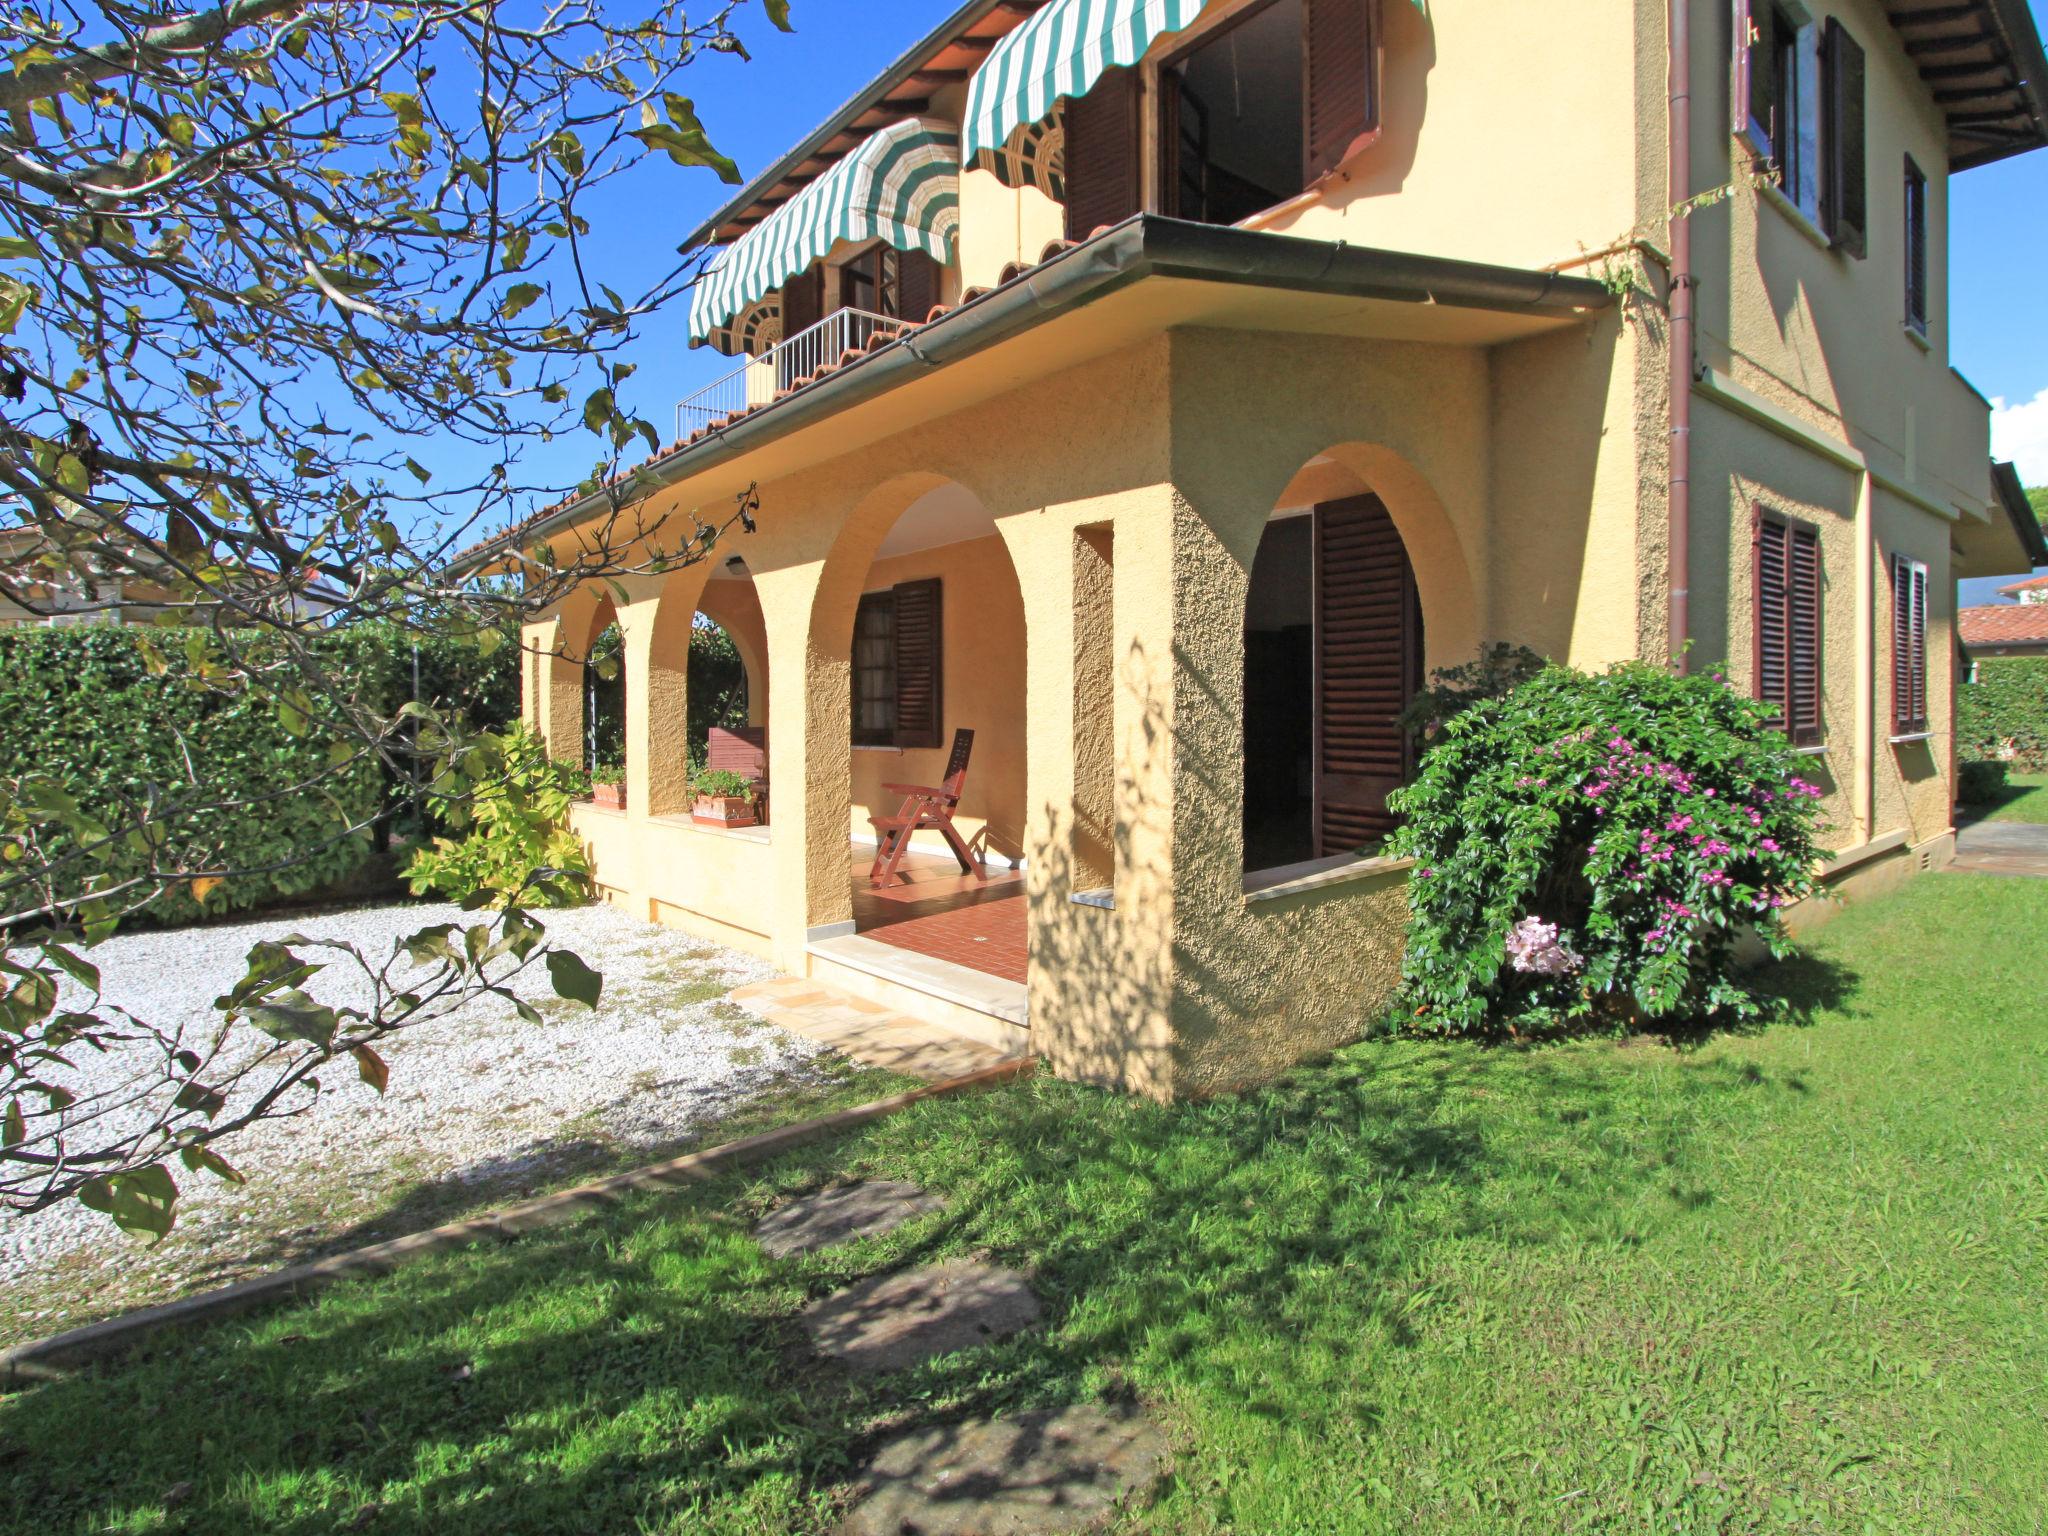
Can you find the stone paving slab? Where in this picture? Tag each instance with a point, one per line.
(2002, 848)
(1033, 1475)
(895, 1321)
(841, 1215)
(869, 1032)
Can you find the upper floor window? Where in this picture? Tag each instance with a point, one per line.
(1916, 247)
(1799, 93)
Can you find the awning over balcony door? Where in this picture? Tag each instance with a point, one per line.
(1061, 52)
(901, 186)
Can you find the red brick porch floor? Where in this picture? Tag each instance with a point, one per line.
(933, 909)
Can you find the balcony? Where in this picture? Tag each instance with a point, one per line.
(786, 365)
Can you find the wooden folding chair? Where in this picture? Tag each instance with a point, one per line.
(925, 809)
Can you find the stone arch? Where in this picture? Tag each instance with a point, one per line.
(1322, 749)
(830, 759)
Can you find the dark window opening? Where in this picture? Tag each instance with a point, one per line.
(1909, 646)
(870, 281)
(898, 695)
(1232, 123)
(1279, 698)
(1916, 247)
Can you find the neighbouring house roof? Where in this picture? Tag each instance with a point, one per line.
(2004, 624)
(2031, 584)
(1069, 276)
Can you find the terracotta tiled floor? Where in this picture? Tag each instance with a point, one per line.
(933, 909)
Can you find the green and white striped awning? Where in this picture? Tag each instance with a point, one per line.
(902, 185)
(1061, 52)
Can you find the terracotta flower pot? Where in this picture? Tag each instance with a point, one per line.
(723, 811)
(610, 797)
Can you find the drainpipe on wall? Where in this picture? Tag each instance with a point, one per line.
(1679, 189)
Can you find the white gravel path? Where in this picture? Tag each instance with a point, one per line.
(476, 1097)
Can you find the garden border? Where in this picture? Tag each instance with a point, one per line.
(52, 1358)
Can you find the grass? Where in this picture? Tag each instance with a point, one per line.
(1778, 1282)
(2025, 799)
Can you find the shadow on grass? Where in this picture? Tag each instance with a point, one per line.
(647, 1370)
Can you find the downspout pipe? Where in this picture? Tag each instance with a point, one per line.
(1678, 541)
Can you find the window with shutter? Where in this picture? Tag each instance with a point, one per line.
(1845, 183)
(920, 696)
(898, 689)
(1916, 247)
(803, 306)
(1368, 666)
(1909, 646)
(1103, 155)
(1788, 626)
(1341, 74)
(1759, 76)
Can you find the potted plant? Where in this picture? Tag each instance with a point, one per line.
(608, 786)
(724, 799)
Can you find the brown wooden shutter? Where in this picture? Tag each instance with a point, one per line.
(1103, 185)
(1909, 646)
(1845, 197)
(920, 693)
(1368, 665)
(1803, 702)
(1773, 626)
(1340, 49)
(803, 301)
(917, 277)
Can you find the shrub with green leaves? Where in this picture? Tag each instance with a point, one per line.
(1589, 849)
(125, 717)
(2003, 713)
(509, 803)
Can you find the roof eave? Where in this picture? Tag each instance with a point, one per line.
(2012, 495)
(1145, 245)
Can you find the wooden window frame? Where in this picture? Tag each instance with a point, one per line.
(1909, 647)
(1796, 530)
(1916, 273)
(879, 736)
(1844, 140)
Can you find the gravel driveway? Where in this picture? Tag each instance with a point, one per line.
(480, 1106)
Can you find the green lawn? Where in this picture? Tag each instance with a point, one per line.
(2025, 799)
(1783, 1282)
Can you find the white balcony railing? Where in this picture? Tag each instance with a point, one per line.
(759, 380)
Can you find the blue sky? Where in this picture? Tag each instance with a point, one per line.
(756, 112)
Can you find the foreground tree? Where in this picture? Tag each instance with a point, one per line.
(267, 271)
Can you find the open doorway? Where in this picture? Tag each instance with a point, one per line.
(1232, 124)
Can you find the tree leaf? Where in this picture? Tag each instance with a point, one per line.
(573, 979)
(205, 1160)
(13, 1126)
(204, 887)
(144, 1201)
(197, 1096)
(295, 1016)
(519, 297)
(371, 1068)
(778, 12)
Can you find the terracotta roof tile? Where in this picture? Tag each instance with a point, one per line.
(2004, 624)
(2032, 584)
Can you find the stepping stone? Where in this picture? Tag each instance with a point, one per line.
(894, 1321)
(1033, 1475)
(841, 1215)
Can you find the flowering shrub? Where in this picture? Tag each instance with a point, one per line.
(1591, 847)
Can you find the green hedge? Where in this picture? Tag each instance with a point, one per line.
(83, 705)
(2004, 713)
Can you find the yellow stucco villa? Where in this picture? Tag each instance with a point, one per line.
(1161, 390)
